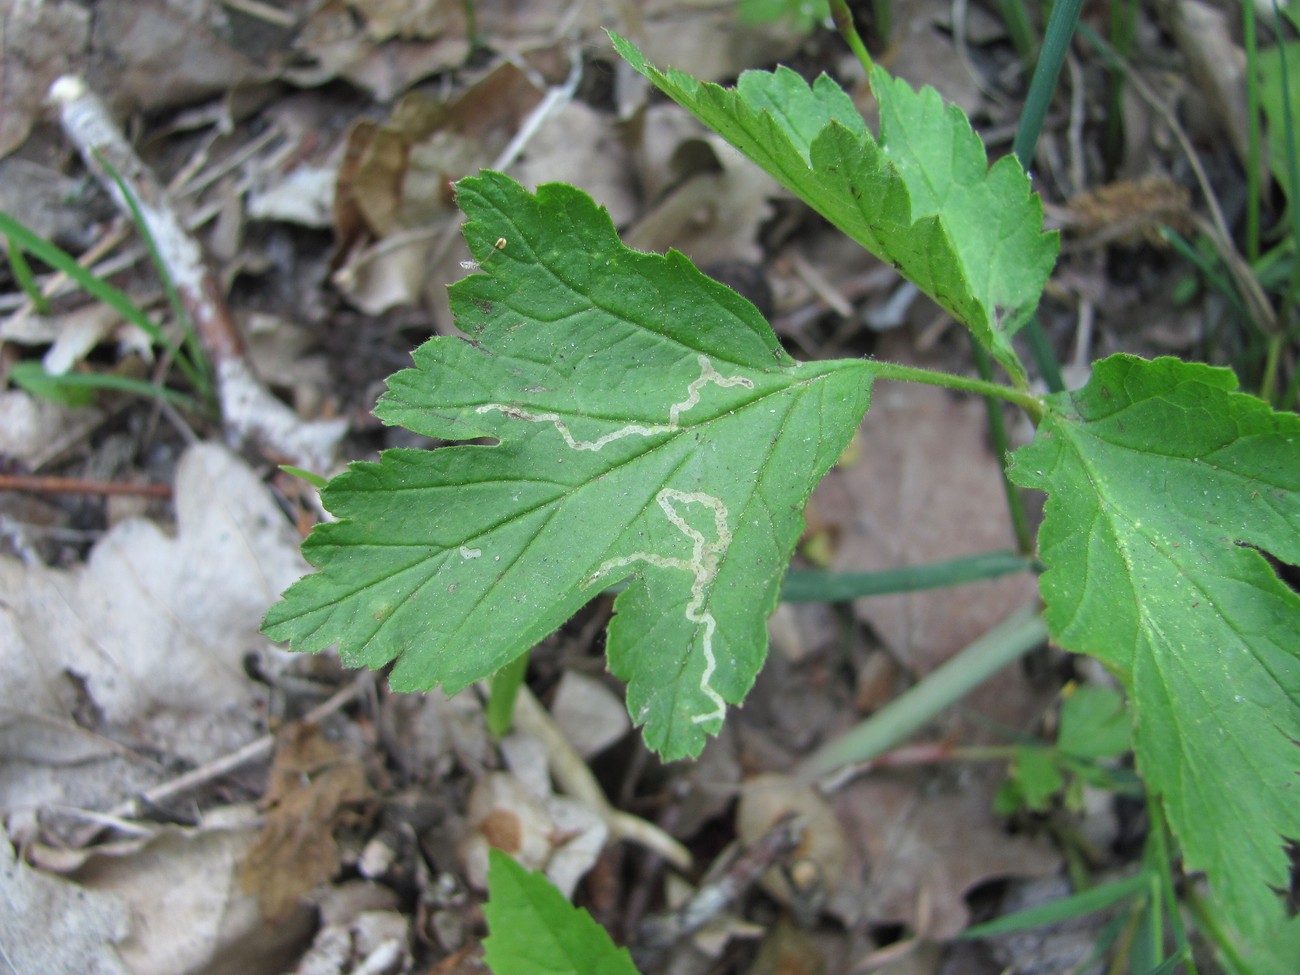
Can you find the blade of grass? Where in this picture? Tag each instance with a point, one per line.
(1076, 905)
(503, 690)
(1056, 42)
(1002, 448)
(1211, 273)
(59, 259)
(814, 586)
(25, 278)
(190, 359)
(1292, 167)
(1123, 29)
(1015, 15)
(1254, 135)
(30, 376)
(970, 667)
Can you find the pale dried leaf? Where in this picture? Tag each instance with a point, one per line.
(924, 845)
(591, 716)
(923, 487)
(189, 913)
(149, 635)
(50, 925)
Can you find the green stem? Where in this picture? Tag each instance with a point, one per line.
(1208, 920)
(998, 433)
(1157, 857)
(502, 691)
(1015, 15)
(1008, 641)
(1028, 402)
(843, 18)
(817, 586)
(1254, 136)
(1056, 43)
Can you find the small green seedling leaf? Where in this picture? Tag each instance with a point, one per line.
(533, 930)
(1094, 724)
(650, 427)
(1037, 777)
(1279, 91)
(317, 481)
(1076, 905)
(922, 197)
(1164, 488)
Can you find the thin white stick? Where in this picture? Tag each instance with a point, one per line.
(250, 413)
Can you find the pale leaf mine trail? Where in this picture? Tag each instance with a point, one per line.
(706, 556)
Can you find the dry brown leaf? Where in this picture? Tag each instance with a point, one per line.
(150, 55)
(383, 46)
(921, 845)
(922, 51)
(394, 212)
(188, 915)
(41, 41)
(1130, 209)
(924, 488)
(313, 782)
(819, 859)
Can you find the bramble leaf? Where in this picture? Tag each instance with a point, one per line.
(532, 929)
(921, 197)
(1165, 486)
(650, 426)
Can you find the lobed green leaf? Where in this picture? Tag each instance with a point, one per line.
(1165, 487)
(921, 197)
(649, 426)
(533, 930)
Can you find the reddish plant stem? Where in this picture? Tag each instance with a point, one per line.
(44, 484)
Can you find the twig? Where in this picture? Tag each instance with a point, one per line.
(1216, 229)
(573, 775)
(45, 484)
(726, 884)
(252, 752)
(250, 413)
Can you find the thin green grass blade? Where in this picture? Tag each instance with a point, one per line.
(1254, 133)
(33, 378)
(25, 278)
(1008, 641)
(1211, 273)
(504, 688)
(189, 355)
(1076, 905)
(59, 259)
(317, 481)
(1024, 38)
(815, 586)
(1002, 450)
(1289, 141)
(1056, 42)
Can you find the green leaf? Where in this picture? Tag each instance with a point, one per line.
(649, 425)
(1279, 91)
(1037, 777)
(804, 14)
(922, 197)
(533, 930)
(1094, 724)
(1164, 488)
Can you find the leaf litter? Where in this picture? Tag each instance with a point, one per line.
(123, 672)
